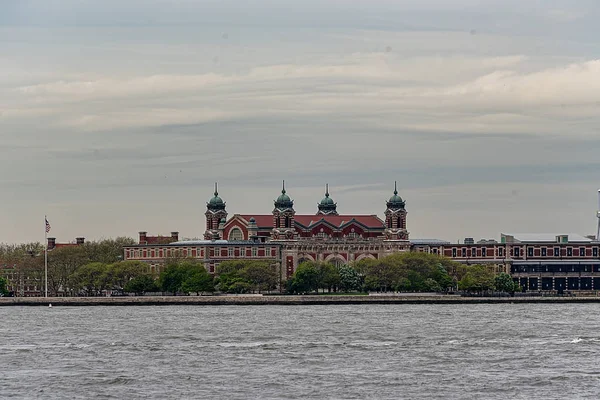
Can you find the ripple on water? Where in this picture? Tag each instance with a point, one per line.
(274, 352)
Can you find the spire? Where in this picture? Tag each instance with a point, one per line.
(327, 206)
(284, 201)
(395, 202)
(216, 203)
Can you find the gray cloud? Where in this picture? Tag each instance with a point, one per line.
(118, 116)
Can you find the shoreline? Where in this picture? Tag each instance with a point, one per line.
(278, 300)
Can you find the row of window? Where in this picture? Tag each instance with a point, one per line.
(200, 252)
(516, 252)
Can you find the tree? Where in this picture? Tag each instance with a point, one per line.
(93, 278)
(197, 279)
(478, 278)
(328, 276)
(185, 276)
(123, 272)
(350, 279)
(3, 286)
(261, 276)
(305, 279)
(171, 278)
(141, 284)
(505, 283)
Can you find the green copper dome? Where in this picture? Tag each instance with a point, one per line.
(216, 203)
(327, 206)
(284, 201)
(395, 201)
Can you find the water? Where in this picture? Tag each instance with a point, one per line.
(502, 351)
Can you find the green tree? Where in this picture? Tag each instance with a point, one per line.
(505, 283)
(328, 276)
(124, 271)
(261, 276)
(305, 279)
(93, 278)
(197, 279)
(171, 278)
(3, 286)
(478, 278)
(141, 284)
(350, 279)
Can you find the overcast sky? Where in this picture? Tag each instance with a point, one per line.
(118, 116)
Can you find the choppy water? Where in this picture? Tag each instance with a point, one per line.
(275, 352)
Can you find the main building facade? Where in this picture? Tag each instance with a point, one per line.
(554, 262)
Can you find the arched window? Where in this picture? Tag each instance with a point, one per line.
(236, 234)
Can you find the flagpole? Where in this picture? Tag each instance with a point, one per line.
(46, 253)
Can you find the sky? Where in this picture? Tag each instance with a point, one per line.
(119, 116)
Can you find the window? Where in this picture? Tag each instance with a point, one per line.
(557, 252)
(569, 252)
(500, 252)
(464, 252)
(582, 252)
(544, 252)
(434, 251)
(236, 234)
(254, 252)
(454, 252)
(483, 252)
(474, 252)
(230, 252)
(517, 252)
(530, 252)
(595, 252)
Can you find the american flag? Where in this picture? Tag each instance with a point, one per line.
(47, 225)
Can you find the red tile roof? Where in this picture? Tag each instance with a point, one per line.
(370, 221)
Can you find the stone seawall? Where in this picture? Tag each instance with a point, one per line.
(279, 300)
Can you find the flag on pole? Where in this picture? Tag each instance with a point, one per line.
(47, 225)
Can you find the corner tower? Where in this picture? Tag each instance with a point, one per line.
(215, 213)
(283, 217)
(327, 206)
(395, 218)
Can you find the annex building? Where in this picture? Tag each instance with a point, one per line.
(544, 262)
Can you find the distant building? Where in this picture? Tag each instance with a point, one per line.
(548, 262)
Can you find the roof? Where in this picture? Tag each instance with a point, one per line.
(436, 242)
(370, 221)
(159, 239)
(543, 237)
(209, 242)
(262, 221)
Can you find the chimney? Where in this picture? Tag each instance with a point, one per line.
(175, 236)
(80, 240)
(51, 243)
(143, 239)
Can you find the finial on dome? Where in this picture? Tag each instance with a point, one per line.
(327, 190)
(395, 188)
(283, 187)
(216, 191)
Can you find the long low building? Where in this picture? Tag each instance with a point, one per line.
(548, 262)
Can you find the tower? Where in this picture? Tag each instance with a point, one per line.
(327, 206)
(215, 213)
(283, 217)
(395, 218)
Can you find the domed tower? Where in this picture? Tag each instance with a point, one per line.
(215, 212)
(395, 218)
(283, 217)
(327, 206)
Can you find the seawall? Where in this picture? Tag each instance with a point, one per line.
(280, 300)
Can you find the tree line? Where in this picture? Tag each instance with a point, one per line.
(400, 272)
(97, 268)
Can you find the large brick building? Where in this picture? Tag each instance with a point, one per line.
(538, 261)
